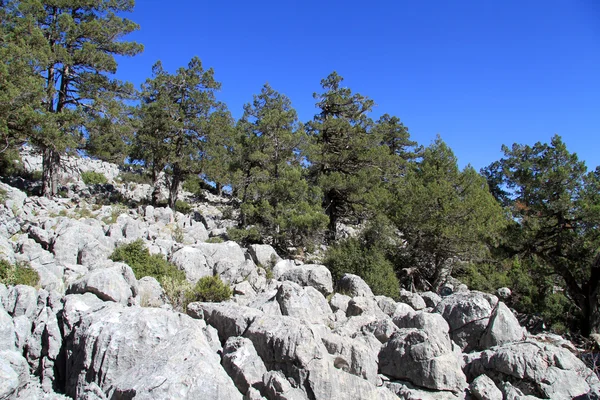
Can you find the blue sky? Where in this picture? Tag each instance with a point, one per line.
(481, 73)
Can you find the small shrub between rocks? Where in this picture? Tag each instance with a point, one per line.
(215, 239)
(137, 256)
(19, 274)
(211, 289)
(93, 178)
(183, 207)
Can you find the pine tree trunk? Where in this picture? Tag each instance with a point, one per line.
(174, 186)
(50, 166)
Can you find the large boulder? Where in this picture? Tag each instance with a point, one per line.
(535, 368)
(423, 358)
(304, 303)
(263, 255)
(228, 251)
(468, 315)
(229, 319)
(193, 262)
(317, 276)
(116, 283)
(243, 364)
(353, 285)
(140, 352)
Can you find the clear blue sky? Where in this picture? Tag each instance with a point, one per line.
(481, 73)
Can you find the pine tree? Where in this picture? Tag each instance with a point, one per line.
(347, 160)
(178, 116)
(81, 40)
(555, 208)
(445, 215)
(273, 192)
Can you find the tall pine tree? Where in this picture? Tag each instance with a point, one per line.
(81, 40)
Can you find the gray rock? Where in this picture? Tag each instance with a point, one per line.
(353, 285)
(317, 276)
(353, 356)
(431, 299)
(150, 293)
(7, 252)
(412, 299)
(9, 378)
(263, 255)
(227, 251)
(109, 284)
(22, 330)
(483, 388)
(468, 315)
(18, 364)
(304, 303)
(423, 358)
(233, 272)
(503, 328)
(21, 300)
(146, 352)
(8, 337)
(386, 304)
(193, 262)
(277, 387)
(194, 232)
(228, 318)
(339, 302)
(407, 391)
(243, 364)
(282, 267)
(361, 305)
(504, 293)
(536, 368)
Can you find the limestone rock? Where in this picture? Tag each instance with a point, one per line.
(146, 352)
(304, 303)
(193, 262)
(264, 255)
(353, 285)
(483, 388)
(317, 276)
(243, 364)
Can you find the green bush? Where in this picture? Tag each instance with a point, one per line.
(351, 256)
(183, 207)
(93, 178)
(137, 256)
(215, 239)
(19, 274)
(211, 289)
(246, 236)
(135, 177)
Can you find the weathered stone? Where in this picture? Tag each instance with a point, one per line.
(536, 368)
(264, 255)
(339, 302)
(412, 299)
(146, 352)
(352, 356)
(193, 262)
(483, 388)
(150, 293)
(353, 285)
(304, 303)
(243, 364)
(503, 328)
(228, 318)
(422, 358)
(468, 315)
(431, 299)
(8, 337)
(227, 251)
(108, 284)
(317, 276)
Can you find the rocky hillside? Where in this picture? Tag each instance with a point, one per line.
(91, 330)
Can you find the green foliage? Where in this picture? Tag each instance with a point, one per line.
(67, 60)
(352, 256)
(351, 157)
(19, 274)
(555, 208)
(215, 239)
(445, 215)
(183, 207)
(93, 178)
(193, 184)
(137, 256)
(3, 196)
(248, 235)
(276, 199)
(140, 177)
(211, 289)
(177, 291)
(114, 214)
(177, 114)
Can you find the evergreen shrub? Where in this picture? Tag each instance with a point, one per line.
(18, 274)
(93, 178)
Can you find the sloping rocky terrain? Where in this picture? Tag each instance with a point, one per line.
(91, 330)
